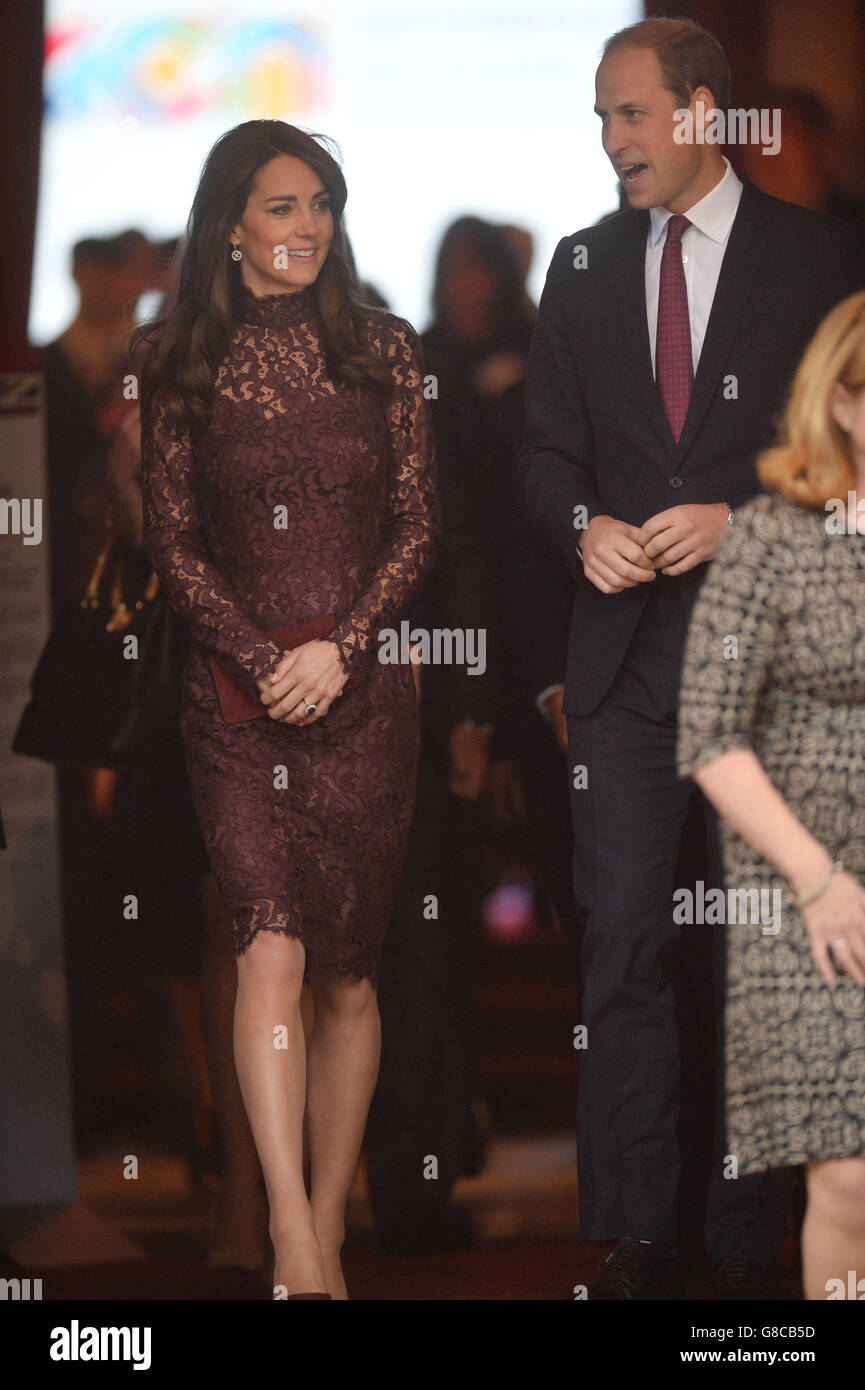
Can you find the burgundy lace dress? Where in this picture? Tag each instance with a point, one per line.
(303, 497)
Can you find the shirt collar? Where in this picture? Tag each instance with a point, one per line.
(713, 215)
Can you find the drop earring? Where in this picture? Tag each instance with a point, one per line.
(236, 254)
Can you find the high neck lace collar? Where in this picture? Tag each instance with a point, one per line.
(284, 309)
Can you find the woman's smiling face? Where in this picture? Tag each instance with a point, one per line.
(286, 228)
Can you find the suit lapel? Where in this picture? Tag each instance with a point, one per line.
(631, 286)
(745, 248)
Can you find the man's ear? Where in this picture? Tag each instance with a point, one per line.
(702, 104)
(706, 96)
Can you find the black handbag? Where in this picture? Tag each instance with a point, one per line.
(106, 689)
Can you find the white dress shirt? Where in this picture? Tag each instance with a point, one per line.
(703, 247)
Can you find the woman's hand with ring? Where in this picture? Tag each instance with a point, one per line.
(836, 923)
(311, 674)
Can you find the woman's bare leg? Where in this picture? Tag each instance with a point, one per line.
(343, 1067)
(270, 1054)
(833, 1232)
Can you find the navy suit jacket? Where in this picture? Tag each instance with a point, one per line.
(596, 435)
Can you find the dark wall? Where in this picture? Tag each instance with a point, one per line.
(740, 29)
(21, 42)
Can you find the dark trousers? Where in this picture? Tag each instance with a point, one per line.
(416, 1128)
(546, 830)
(638, 966)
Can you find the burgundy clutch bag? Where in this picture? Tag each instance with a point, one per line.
(236, 702)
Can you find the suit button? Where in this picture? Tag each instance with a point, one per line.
(675, 481)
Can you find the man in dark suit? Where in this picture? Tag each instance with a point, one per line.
(666, 339)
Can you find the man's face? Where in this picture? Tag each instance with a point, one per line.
(638, 120)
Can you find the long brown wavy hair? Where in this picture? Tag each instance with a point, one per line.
(180, 352)
(811, 461)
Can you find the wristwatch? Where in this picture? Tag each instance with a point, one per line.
(729, 518)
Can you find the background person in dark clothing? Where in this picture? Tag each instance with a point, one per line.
(474, 726)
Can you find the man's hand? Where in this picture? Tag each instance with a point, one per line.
(681, 537)
(613, 557)
(558, 719)
(499, 371)
(100, 784)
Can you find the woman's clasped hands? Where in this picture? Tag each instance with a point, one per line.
(311, 674)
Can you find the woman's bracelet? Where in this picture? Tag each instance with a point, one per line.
(805, 898)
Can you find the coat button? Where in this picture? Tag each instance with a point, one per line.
(675, 481)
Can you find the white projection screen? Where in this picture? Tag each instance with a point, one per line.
(462, 106)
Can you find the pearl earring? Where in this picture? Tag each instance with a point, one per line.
(236, 254)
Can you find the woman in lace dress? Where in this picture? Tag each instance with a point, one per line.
(289, 473)
(772, 728)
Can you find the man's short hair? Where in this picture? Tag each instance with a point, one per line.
(688, 56)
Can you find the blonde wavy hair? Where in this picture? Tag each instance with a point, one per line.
(811, 461)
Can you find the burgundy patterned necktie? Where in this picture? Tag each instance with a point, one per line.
(674, 361)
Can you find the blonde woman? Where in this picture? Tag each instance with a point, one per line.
(772, 729)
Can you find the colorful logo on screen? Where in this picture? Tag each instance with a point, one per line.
(171, 69)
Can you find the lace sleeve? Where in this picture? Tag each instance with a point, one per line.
(414, 521)
(175, 540)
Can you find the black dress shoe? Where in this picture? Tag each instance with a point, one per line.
(639, 1269)
(738, 1276)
